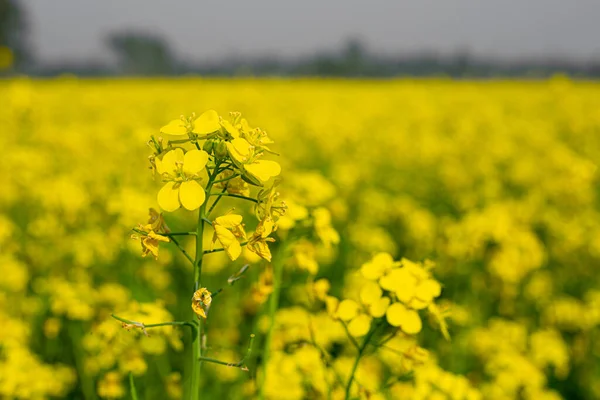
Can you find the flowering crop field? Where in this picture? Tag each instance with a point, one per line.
(403, 239)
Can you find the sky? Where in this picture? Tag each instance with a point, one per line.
(205, 30)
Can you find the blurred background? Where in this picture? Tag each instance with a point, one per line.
(459, 38)
(476, 152)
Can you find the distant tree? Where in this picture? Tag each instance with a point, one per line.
(142, 53)
(354, 57)
(13, 33)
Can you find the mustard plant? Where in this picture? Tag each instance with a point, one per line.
(200, 161)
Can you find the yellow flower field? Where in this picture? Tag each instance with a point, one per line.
(404, 239)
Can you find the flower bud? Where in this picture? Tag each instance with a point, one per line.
(221, 150)
(208, 146)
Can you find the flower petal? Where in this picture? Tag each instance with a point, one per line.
(194, 161)
(168, 197)
(263, 169)
(232, 130)
(169, 162)
(347, 310)
(206, 123)
(191, 195)
(229, 221)
(378, 309)
(175, 127)
(228, 241)
(239, 150)
(370, 293)
(396, 314)
(412, 323)
(360, 325)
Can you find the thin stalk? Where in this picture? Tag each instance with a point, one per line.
(143, 326)
(238, 196)
(361, 350)
(226, 179)
(214, 204)
(350, 337)
(183, 251)
(132, 389)
(197, 338)
(221, 249)
(239, 364)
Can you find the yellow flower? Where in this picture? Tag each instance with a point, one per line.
(228, 230)
(266, 205)
(256, 170)
(157, 222)
(204, 125)
(182, 173)
(110, 386)
(378, 266)
(398, 315)
(233, 186)
(320, 288)
(325, 232)
(360, 325)
(264, 287)
(304, 256)
(201, 301)
(150, 241)
(258, 241)
(371, 296)
(412, 285)
(347, 310)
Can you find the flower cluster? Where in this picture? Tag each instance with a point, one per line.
(396, 290)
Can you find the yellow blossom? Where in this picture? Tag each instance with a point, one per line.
(378, 266)
(205, 124)
(243, 155)
(150, 242)
(181, 173)
(259, 239)
(228, 231)
(398, 315)
(201, 301)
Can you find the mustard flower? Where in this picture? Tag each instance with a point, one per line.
(228, 230)
(201, 301)
(150, 243)
(204, 125)
(248, 160)
(408, 320)
(181, 173)
(233, 186)
(258, 241)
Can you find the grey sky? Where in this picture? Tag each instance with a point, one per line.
(198, 29)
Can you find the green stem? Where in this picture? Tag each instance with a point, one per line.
(214, 204)
(350, 337)
(180, 141)
(132, 389)
(143, 326)
(219, 250)
(198, 337)
(361, 350)
(226, 179)
(238, 196)
(178, 234)
(183, 251)
(239, 364)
